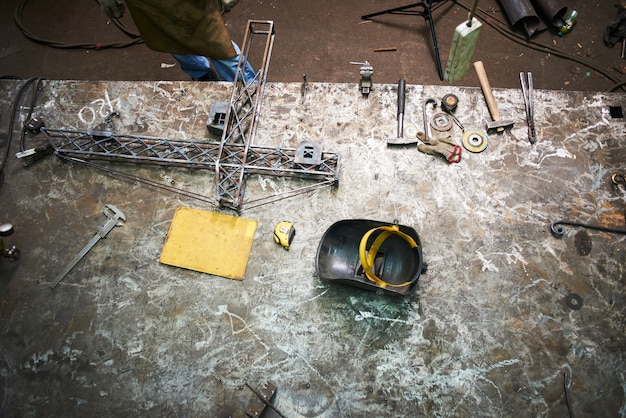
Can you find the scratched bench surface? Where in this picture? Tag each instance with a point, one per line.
(486, 332)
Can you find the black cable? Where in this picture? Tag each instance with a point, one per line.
(13, 114)
(567, 401)
(33, 101)
(19, 10)
(618, 85)
(120, 25)
(557, 229)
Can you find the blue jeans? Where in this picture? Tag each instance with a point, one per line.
(197, 66)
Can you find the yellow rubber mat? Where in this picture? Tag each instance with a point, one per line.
(209, 242)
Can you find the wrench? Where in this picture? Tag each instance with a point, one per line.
(115, 217)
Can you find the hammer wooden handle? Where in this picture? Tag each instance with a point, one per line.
(484, 84)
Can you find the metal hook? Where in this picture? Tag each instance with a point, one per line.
(557, 229)
(619, 180)
(426, 124)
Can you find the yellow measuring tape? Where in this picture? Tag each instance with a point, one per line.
(368, 257)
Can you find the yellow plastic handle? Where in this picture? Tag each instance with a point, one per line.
(368, 257)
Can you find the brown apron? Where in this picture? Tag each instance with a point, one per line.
(182, 27)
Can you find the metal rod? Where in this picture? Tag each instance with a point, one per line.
(557, 228)
(471, 13)
(433, 36)
(145, 181)
(285, 195)
(401, 101)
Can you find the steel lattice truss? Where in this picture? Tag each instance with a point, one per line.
(193, 154)
(232, 159)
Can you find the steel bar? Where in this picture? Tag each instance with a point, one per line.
(136, 179)
(526, 80)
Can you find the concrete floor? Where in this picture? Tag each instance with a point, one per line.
(486, 332)
(321, 39)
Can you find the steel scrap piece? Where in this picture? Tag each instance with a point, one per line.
(523, 15)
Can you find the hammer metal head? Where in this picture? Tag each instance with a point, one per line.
(416, 137)
(403, 141)
(498, 125)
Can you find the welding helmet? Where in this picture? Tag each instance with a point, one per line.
(373, 255)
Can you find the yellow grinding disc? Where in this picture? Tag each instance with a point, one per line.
(474, 141)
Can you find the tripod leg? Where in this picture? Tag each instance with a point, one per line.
(426, 14)
(433, 35)
(397, 10)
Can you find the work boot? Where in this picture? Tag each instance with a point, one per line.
(211, 75)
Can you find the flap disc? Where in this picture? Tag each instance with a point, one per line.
(475, 141)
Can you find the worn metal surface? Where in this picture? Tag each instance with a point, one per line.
(486, 332)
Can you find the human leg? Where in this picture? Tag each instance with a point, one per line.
(198, 67)
(228, 68)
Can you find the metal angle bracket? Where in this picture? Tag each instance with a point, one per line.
(217, 118)
(263, 398)
(308, 153)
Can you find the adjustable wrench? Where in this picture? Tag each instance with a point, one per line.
(115, 217)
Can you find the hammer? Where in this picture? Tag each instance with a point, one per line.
(400, 139)
(497, 124)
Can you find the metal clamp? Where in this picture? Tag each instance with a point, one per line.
(366, 71)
